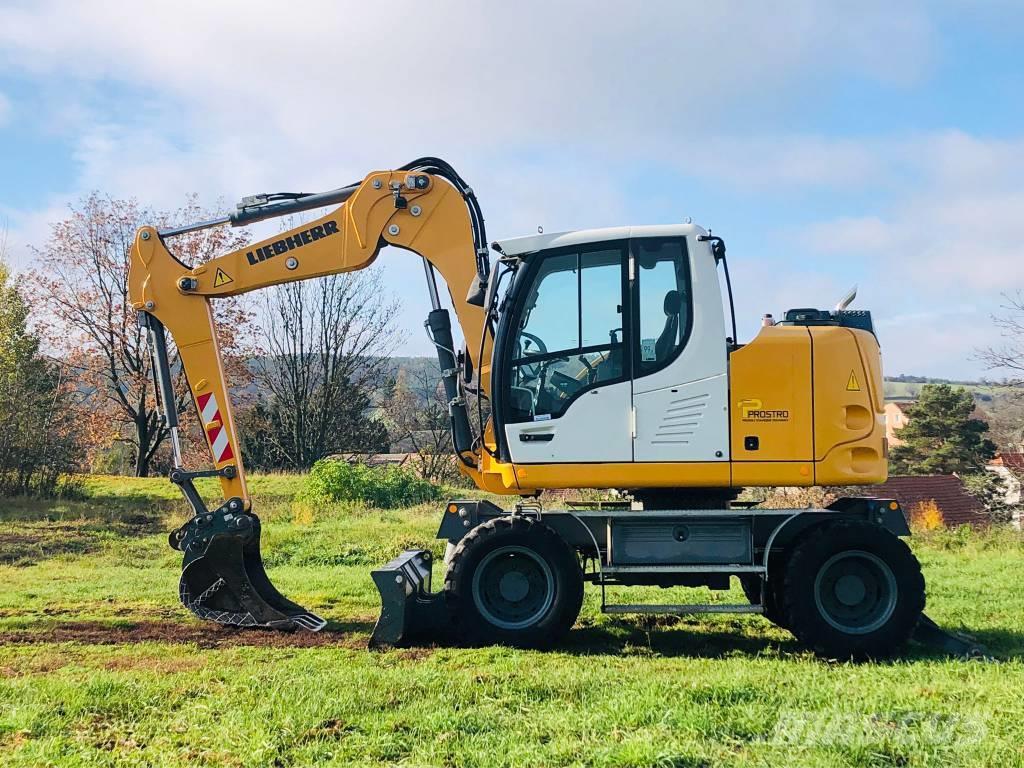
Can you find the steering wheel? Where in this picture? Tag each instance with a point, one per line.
(531, 371)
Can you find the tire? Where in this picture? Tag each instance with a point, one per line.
(449, 553)
(852, 590)
(513, 581)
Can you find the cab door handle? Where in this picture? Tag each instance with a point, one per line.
(536, 437)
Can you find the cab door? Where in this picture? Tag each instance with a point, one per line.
(570, 395)
(680, 381)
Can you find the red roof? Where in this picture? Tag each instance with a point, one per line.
(1010, 460)
(948, 493)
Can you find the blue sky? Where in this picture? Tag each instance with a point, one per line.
(883, 147)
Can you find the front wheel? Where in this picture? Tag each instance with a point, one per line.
(853, 590)
(513, 580)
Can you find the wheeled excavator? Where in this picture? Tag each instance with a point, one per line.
(604, 360)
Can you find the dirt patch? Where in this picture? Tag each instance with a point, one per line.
(29, 543)
(39, 664)
(202, 635)
(30, 547)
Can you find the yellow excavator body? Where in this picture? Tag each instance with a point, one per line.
(607, 362)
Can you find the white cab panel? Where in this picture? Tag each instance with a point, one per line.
(699, 372)
(688, 422)
(595, 428)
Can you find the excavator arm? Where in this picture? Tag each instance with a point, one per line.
(425, 208)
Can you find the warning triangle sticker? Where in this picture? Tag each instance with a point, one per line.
(222, 278)
(852, 385)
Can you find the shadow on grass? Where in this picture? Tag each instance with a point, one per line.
(678, 638)
(621, 637)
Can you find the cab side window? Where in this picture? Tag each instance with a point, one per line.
(664, 306)
(570, 334)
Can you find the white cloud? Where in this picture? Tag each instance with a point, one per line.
(541, 106)
(323, 73)
(5, 109)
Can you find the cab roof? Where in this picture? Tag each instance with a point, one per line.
(521, 246)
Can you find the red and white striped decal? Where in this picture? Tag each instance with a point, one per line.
(216, 434)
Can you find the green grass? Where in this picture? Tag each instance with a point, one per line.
(99, 664)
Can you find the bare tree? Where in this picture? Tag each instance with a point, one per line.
(1007, 417)
(326, 346)
(418, 420)
(1010, 354)
(1007, 420)
(80, 303)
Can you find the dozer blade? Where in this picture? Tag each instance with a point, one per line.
(223, 578)
(409, 610)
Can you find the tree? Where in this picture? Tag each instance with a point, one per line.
(941, 436)
(990, 489)
(80, 297)
(326, 344)
(418, 418)
(38, 435)
(1010, 354)
(1008, 422)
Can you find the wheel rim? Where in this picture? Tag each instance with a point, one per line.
(513, 587)
(855, 592)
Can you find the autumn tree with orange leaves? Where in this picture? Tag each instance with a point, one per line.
(79, 292)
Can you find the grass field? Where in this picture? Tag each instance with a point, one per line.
(99, 664)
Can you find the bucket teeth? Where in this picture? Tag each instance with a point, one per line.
(223, 578)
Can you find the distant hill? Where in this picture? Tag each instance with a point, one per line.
(904, 387)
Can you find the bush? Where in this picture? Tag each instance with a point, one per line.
(333, 480)
(926, 516)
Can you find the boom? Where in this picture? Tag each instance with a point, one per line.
(419, 212)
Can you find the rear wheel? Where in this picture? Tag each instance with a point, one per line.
(853, 590)
(515, 581)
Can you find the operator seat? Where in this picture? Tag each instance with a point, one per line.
(667, 340)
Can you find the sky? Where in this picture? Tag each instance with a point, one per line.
(882, 147)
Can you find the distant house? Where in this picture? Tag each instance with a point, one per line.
(896, 417)
(1012, 462)
(1010, 467)
(957, 506)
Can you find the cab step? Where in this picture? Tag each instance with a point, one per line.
(683, 609)
(707, 568)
